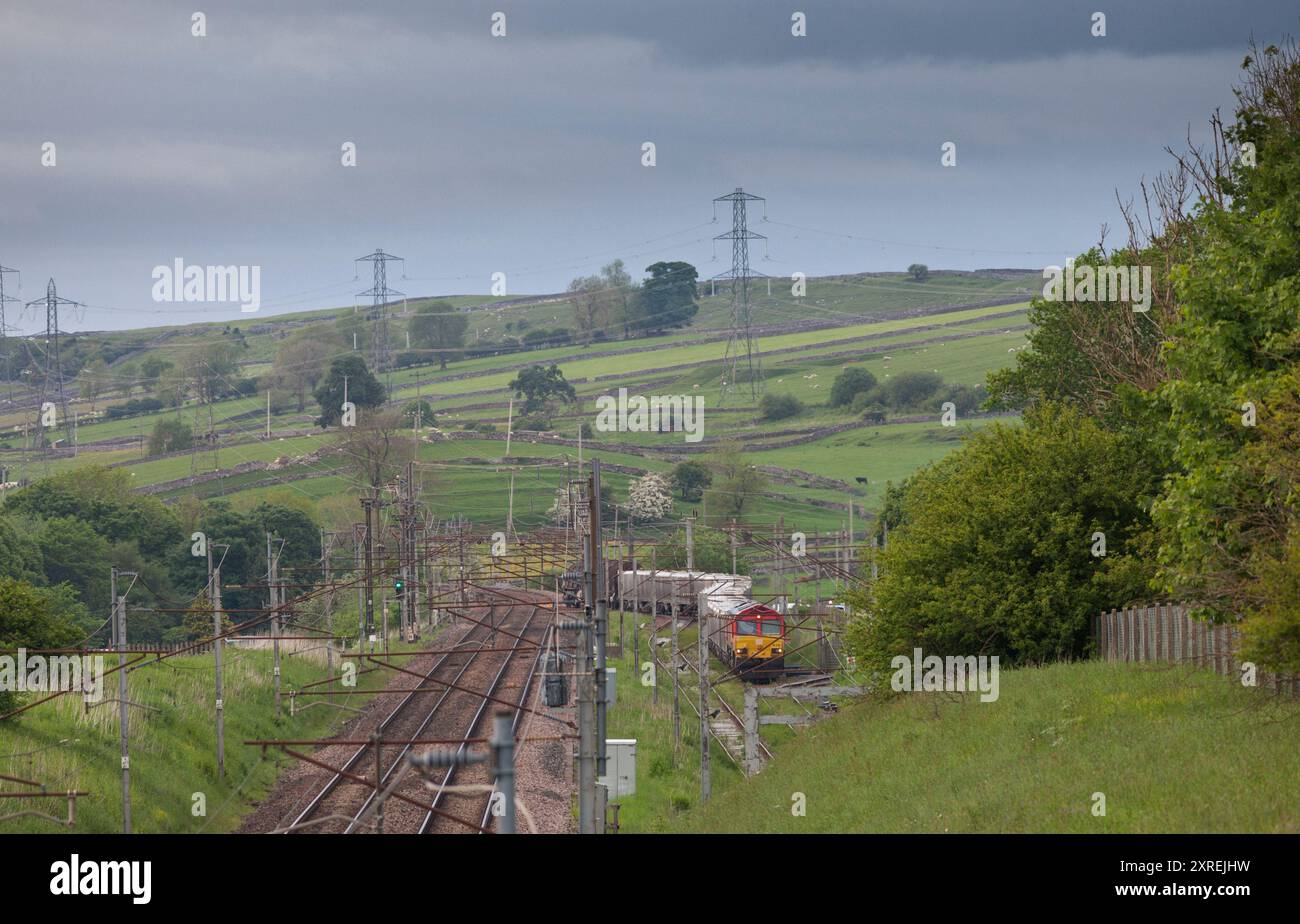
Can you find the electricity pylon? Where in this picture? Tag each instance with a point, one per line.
(740, 358)
(379, 349)
(53, 364)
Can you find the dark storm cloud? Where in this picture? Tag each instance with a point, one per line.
(522, 154)
(700, 34)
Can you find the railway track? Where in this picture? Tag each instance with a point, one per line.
(450, 703)
(726, 726)
(516, 673)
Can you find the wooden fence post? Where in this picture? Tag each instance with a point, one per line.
(1165, 632)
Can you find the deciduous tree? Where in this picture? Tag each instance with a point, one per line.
(440, 327)
(736, 485)
(650, 497)
(668, 296)
(300, 364)
(539, 385)
(348, 375)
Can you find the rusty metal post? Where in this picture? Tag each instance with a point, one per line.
(600, 600)
(275, 621)
(119, 607)
(706, 784)
(214, 601)
(368, 504)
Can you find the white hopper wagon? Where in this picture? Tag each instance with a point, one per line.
(677, 592)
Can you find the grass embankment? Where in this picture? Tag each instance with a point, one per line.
(1172, 749)
(173, 751)
(668, 778)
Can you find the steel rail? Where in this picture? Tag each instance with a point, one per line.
(731, 713)
(338, 777)
(514, 724)
(448, 688)
(478, 717)
(399, 760)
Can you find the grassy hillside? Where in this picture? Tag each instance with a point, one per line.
(1172, 749)
(830, 298)
(472, 476)
(863, 295)
(173, 754)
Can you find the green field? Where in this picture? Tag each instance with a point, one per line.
(1172, 749)
(471, 477)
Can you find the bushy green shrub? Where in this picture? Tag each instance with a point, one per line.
(850, 383)
(779, 407)
(912, 391)
(993, 553)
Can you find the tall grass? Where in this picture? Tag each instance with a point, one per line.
(66, 746)
(1171, 749)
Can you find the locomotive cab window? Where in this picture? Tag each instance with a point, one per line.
(746, 627)
(771, 626)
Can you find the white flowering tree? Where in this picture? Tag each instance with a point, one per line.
(560, 509)
(650, 497)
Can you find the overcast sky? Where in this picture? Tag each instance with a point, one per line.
(522, 154)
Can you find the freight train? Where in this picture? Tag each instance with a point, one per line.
(669, 592)
(573, 583)
(747, 636)
(742, 633)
